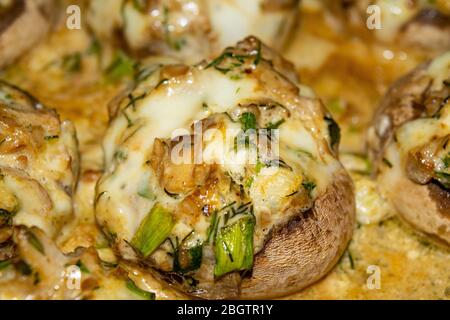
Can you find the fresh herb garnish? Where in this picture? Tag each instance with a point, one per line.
(48, 138)
(6, 217)
(446, 160)
(147, 295)
(276, 125)
(35, 242)
(306, 153)
(210, 234)
(172, 195)
(279, 163)
(350, 258)
(140, 5)
(132, 100)
(36, 278)
(153, 230)
(309, 186)
(234, 246)
(5, 264)
(387, 162)
(120, 155)
(71, 62)
(291, 194)
(95, 48)
(248, 121)
(161, 82)
(82, 267)
(188, 255)
(249, 182)
(24, 268)
(122, 66)
(443, 178)
(146, 193)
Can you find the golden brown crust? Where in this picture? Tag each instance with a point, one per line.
(402, 103)
(424, 205)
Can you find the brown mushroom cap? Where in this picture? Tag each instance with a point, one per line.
(427, 29)
(297, 250)
(299, 253)
(22, 25)
(307, 248)
(426, 207)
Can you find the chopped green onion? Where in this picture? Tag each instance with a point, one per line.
(446, 160)
(212, 227)
(249, 182)
(350, 258)
(248, 121)
(147, 295)
(188, 256)
(146, 193)
(153, 231)
(259, 166)
(5, 264)
(36, 278)
(387, 162)
(48, 138)
(82, 267)
(309, 186)
(276, 125)
(95, 48)
(122, 66)
(35, 242)
(336, 106)
(234, 246)
(6, 217)
(140, 5)
(72, 62)
(24, 268)
(443, 178)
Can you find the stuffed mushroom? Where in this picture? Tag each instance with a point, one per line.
(22, 24)
(409, 142)
(190, 29)
(38, 164)
(223, 178)
(422, 24)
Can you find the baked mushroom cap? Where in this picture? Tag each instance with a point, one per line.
(422, 24)
(38, 270)
(22, 25)
(190, 29)
(224, 178)
(38, 163)
(409, 144)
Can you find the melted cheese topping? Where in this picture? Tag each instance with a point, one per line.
(38, 164)
(190, 29)
(421, 131)
(172, 105)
